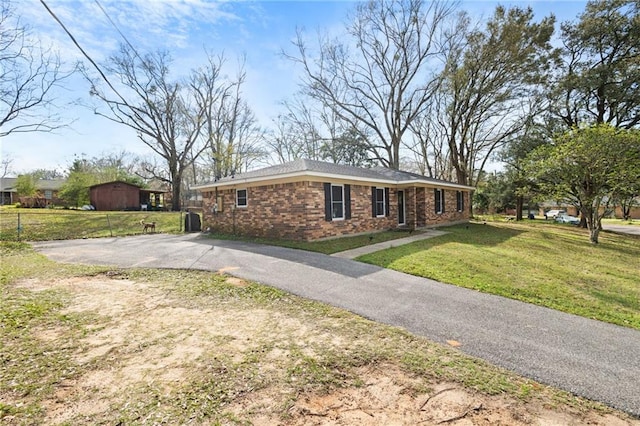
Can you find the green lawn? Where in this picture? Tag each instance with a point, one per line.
(537, 262)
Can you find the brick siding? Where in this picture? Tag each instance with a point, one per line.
(296, 211)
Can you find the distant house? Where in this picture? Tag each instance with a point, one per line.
(614, 211)
(309, 200)
(46, 192)
(120, 195)
(8, 192)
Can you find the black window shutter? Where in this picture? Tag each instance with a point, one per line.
(436, 200)
(373, 201)
(327, 202)
(386, 201)
(347, 201)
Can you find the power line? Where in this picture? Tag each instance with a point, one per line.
(86, 55)
(117, 29)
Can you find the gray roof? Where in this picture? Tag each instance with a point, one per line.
(303, 167)
(9, 184)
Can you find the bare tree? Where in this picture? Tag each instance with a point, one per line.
(383, 83)
(163, 112)
(302, 130)
(283, 141)
(6, 164)
(429, 143)
(29, 74)
(230, 129)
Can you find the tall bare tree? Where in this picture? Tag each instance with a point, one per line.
(162, 111)
(29, 74)
(283, 140)
(230, 129)
(429, 141)
(379, 77)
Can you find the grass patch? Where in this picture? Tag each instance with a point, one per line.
(542, 263)
(328, 246)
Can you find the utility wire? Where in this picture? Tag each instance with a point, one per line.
(86, 55)
(117, 29)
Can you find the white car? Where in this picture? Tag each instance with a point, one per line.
(554, 213)
(565, 218)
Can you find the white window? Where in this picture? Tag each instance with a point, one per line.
(337, 202)
(241, 198)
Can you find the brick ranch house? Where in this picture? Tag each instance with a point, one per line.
(310, 200)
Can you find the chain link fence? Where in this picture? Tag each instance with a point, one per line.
(42, 225)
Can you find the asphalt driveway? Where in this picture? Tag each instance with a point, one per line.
(589, 358)
(622, 229)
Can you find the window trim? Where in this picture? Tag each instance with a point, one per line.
(246, 198)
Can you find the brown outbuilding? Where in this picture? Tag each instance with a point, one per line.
(119, 195)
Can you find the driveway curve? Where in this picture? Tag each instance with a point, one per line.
(589, 358)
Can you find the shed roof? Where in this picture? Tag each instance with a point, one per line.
(112, 183)
(312, 168)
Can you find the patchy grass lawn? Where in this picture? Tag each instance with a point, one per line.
(55, 224)
(537, 262)
(99, 346)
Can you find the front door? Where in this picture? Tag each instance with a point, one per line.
(401, 218)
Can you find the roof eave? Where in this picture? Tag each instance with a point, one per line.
(307, 173)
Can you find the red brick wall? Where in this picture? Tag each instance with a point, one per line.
(450, 213)
(296, 211)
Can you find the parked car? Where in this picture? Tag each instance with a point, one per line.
(566, 218)
(554, 213)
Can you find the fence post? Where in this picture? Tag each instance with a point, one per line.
(19, 227)
(109, 222)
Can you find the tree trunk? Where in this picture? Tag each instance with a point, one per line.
(592, 222)
(519, 207)
(176, 204)
(594, 232)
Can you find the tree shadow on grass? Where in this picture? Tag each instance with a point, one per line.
(476, 234)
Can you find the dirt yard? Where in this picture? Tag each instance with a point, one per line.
(152, 356)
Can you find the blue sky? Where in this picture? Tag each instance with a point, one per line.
(258, 30)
